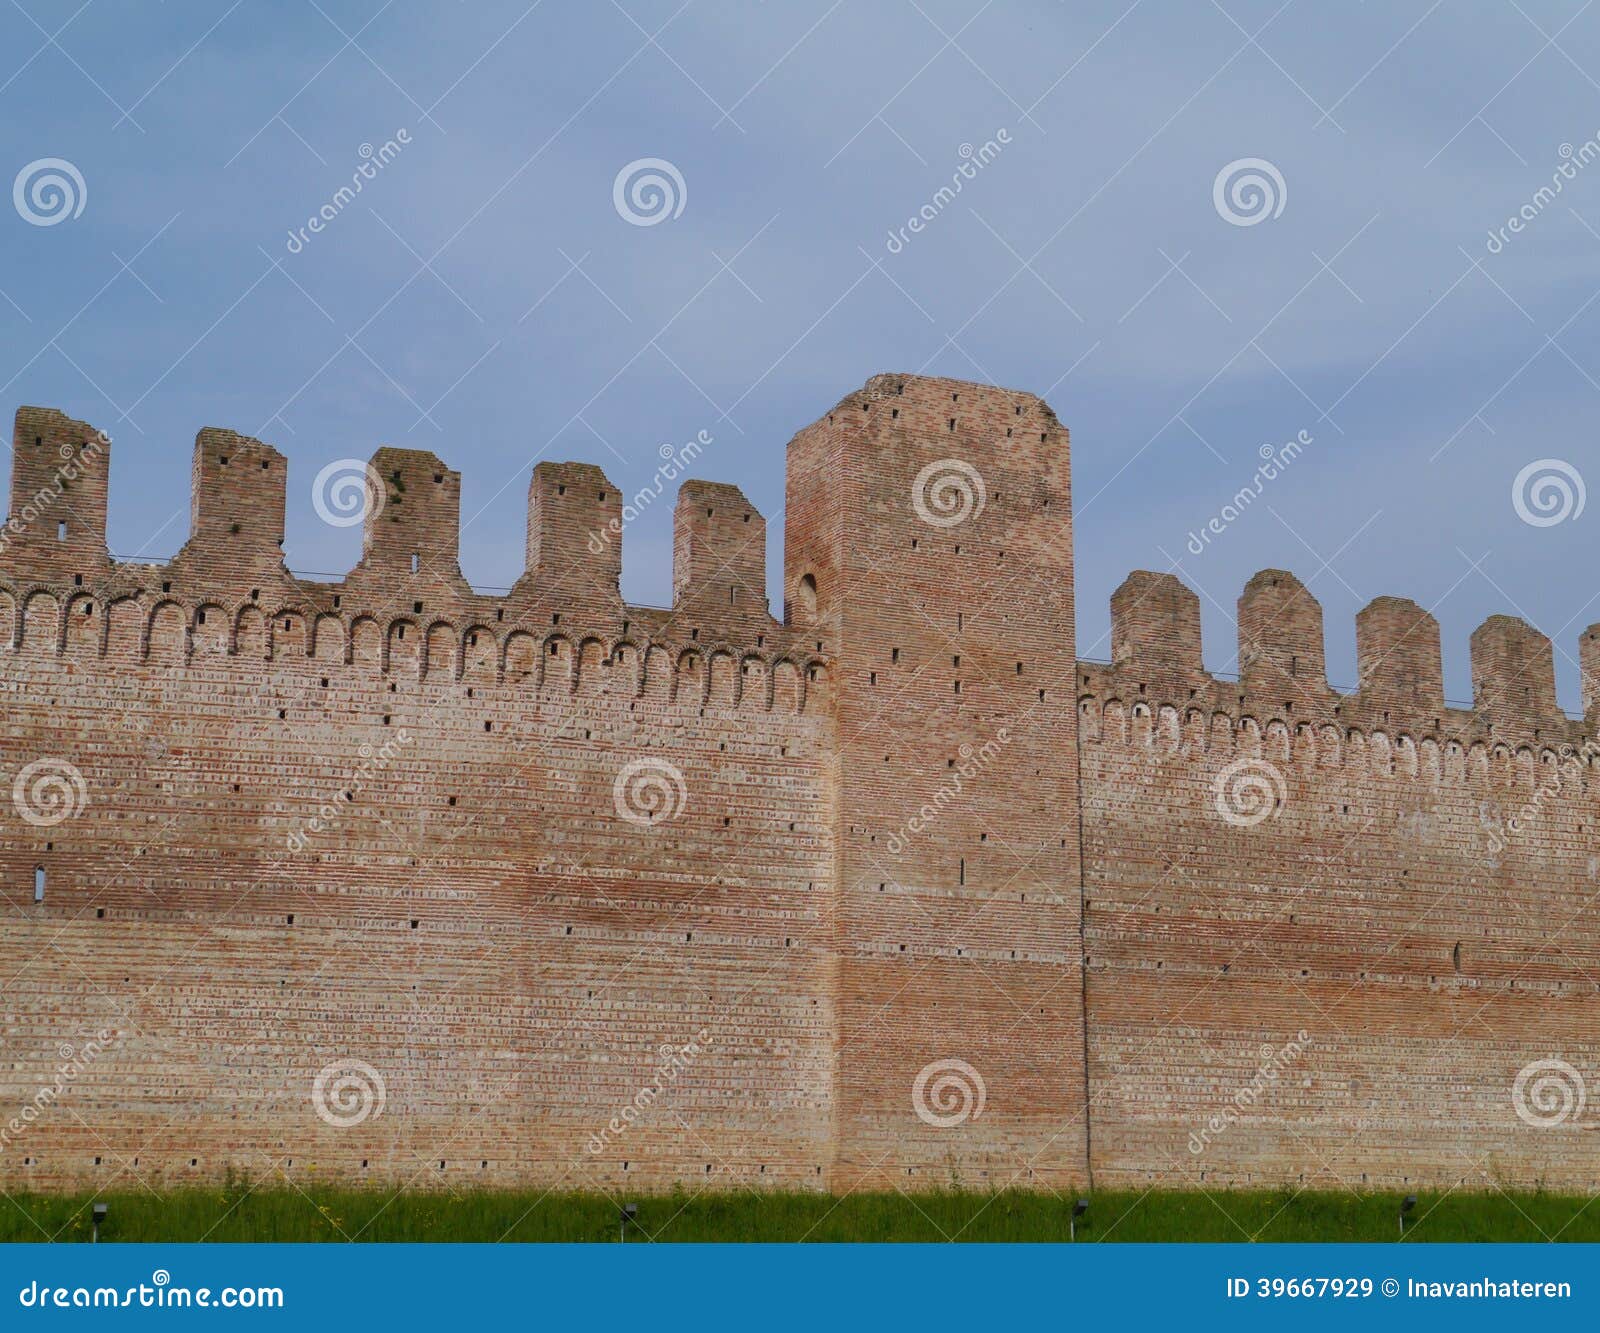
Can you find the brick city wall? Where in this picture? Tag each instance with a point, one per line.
(385, 880)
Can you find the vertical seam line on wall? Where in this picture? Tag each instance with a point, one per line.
(1083, 935)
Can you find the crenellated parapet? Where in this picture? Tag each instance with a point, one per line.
(1154, 692)
(1589, 665)
(405, 611)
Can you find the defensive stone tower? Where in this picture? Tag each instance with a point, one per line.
(928, 542)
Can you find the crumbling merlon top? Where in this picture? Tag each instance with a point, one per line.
(719, 548)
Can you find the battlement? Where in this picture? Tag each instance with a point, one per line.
(1156, 663)
(229, 592)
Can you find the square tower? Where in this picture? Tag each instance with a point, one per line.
(928, 551)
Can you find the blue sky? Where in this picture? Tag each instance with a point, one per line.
(484, 297)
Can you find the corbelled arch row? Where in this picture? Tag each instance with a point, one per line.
(715, 673)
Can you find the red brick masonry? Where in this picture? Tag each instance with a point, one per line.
(384, 880)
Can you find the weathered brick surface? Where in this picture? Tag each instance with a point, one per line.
(609, 895)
